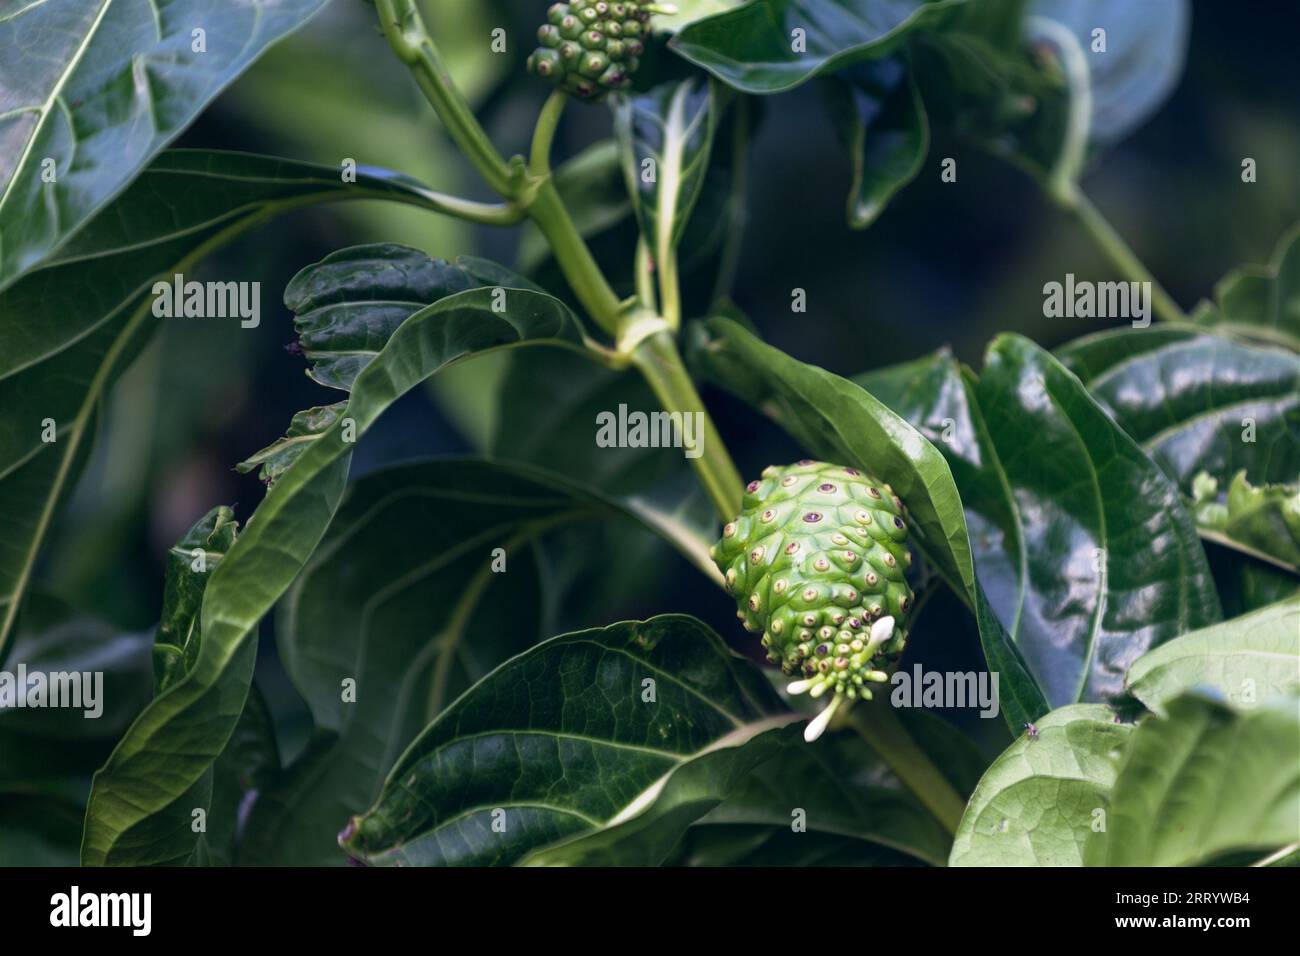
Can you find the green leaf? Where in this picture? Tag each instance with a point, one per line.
(140, 805)
(190, 560)
(1263, 522)
(878, 112)
(1261, 302)
(1245, 660)
(348, 304)
(1041, 519)
(1038, 802)
(1197, 402)
(1201, 782)
(1110, 562)
(70, 328)
(564, 740)
(407, 596)
(852, 804)
(117, 79)
(753, 48)
(304, 428)
(666, 136)
(937, 397)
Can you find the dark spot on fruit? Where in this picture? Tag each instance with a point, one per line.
(811, 517)
(826, 487)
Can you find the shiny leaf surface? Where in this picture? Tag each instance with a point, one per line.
(567, 740)
(1036, 805)
(92, 91)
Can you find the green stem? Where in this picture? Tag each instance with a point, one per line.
(575, 259)
(661, 364)
(539, 162)
(489, 214)
(886, 735)
(1121, 256)
(404, 29)
(645, 283)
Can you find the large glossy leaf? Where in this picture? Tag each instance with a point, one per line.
(349, 304)
(754, 47)
(937, 398)
(1246, 660)
(841, 421)
(666, 137)
(1204, 781)
(1038, 803)
(1081, 544)
(140, 804)
(1111, 563)
(406, 597)
(90, 92)
(70, 328)
(1197, 402)
(879, 115)
(631, 730)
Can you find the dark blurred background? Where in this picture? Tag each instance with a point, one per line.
(946, 263)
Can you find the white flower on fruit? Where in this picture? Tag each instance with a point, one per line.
(881, 631)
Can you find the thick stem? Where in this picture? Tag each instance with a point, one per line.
(406, 34)
(659, 361)
(886, 735)
(1121, 256)
(575, 259)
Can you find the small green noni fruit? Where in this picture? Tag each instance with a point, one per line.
(816, 561)
(591, 47)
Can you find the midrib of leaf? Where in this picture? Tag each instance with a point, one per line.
(742, 733)
(44, 110)
(676, 134)
(1103, 537)
(1154, 442)
(1022, 553)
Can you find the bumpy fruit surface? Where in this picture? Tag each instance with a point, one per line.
(816, 561)
(592, 47)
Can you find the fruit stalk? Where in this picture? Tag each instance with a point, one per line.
(404, 29)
